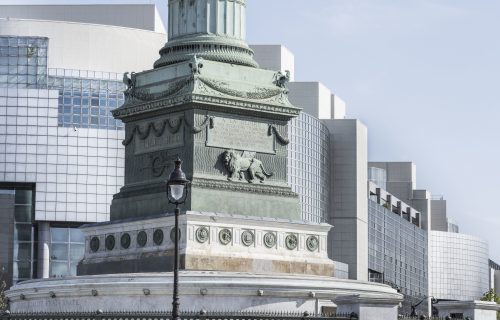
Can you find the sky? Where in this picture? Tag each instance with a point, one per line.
(422, 75)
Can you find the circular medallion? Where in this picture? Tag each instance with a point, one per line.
(247, 238)
(110, 242)
(172, 234)
(312, 243)
(225, 236)
(269, 239)
(158, 237)
(94, 244)
(142, 238)
(202, 234)
(125, 241)
(291, 241)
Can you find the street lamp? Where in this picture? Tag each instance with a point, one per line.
(177, 191)
(414, 306)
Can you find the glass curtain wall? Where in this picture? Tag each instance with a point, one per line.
(23, 62)
(67, 246)
(24, 249)
(308, 167)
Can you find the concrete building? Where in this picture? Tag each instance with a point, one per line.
(61, 158)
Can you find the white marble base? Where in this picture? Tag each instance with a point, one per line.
(368, 307)
(211, 291)
(475, 310)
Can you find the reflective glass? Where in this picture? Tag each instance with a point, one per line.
(76, 252)
(22, 251)
(22, 213)
(58, 269)
(59, 234)
(22, 232)
(59, 251)
(77, 235)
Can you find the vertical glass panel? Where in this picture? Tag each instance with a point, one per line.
(76, 252)
(72, 271)
(22, 213)
(77, 235)
(59, 234)
(21, 270)
(59, 251)
(22, 232)
(23, 196)
(58, 269)
(22, 251)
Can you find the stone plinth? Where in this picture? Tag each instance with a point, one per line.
(211, 291)
(372, 307)
(209, 241)
(228, 123)
(475, 310)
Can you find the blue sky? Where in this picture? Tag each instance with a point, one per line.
(423, 75)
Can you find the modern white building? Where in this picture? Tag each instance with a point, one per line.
(61, 157)
(459, 266)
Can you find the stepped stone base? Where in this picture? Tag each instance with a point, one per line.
(211, 291)
(209, 241)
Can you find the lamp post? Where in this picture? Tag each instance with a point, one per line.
(414, 306)
(177, 191)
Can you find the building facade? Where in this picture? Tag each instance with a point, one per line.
(61, 158)
(397, 246)
(459, 266)
(308, 169)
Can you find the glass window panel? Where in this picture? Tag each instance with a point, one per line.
(22, 251)
(21, 270)
(58, 269)
(22, 213)
(76, 252)
(23, 196)
(22, 232)
(59, 251)
(77, 235)
(59, 234)
(72, 271)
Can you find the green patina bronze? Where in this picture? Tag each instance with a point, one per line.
(207, 102)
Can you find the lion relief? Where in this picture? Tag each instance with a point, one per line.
(238, 165)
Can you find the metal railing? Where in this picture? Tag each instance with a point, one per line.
(202, 315)
(401, 317)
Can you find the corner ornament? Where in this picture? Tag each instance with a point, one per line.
(196, 64)
(281, 80)
(130, 83)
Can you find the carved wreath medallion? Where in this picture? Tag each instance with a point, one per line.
(94, 244)
(142, 238)
(125, 240)
(225, 236)
(110, 242)
(202, 234)
(269, 239)
(158, 237)
(247, 238)
(291, 241)
(312, 243)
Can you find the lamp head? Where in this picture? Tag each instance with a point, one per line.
(177, 183)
